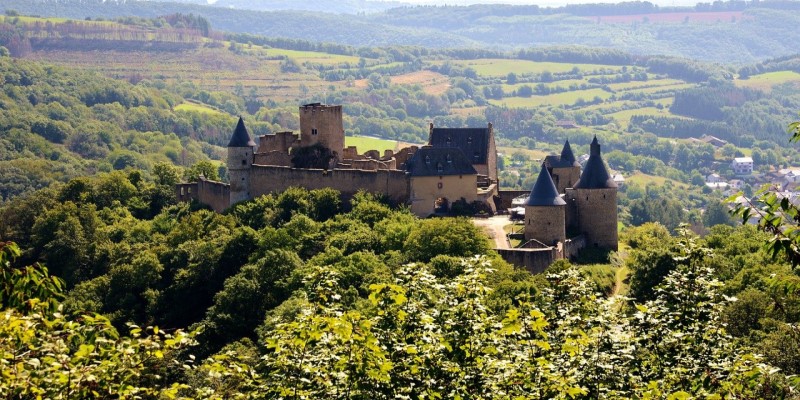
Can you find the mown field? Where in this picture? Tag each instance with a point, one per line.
(768, 80)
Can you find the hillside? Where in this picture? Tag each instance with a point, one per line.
(535, 98)
(733, 32)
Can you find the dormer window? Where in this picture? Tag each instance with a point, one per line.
(449, 140)
(439, 167)
(449, 159)
(469, 139)
(427, 159)
(476, 155)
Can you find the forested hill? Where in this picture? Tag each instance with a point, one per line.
(725, 32)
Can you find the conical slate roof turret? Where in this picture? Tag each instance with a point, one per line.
(544, 191)
(595, 175)
(240, 136)
(567, 156)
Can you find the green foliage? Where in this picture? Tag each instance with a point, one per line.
(445, 236)
(26, 289)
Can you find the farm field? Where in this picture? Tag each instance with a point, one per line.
(492, 67)
(767, 80)
(566, 98)
(364, 143)
(623, 117)
(643, 180)
(306, 56)
(432, 82)
(197, 107)
(642, 84)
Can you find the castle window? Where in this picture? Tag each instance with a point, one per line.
(314, 131)
(244, 162)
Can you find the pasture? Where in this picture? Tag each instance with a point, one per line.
(495, 67)
(557, 99)
(766, 81)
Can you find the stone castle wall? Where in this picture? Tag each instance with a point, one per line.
(214, 194)
(269, 179)
(533, 260)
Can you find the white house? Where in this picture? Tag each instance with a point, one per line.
(713, 178)
(742, 165)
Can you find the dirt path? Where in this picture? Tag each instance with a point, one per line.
(494, 228)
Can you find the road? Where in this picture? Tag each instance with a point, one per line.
(494, 228)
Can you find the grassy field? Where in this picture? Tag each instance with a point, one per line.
(766, 81)
(643, 180)
(619, 87)
(624, 117)
(197, 107)
(309, 56)
(501, 67)
(364, 143)
(566, 98)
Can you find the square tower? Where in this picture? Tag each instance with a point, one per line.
(321, 123)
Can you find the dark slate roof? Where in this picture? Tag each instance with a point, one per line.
(595, 175)
(431, 161)
(240, 136)
(566, 159)
(544, 191)
(474, 142)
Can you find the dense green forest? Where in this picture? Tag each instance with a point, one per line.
(293, 296)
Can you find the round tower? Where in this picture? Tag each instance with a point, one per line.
(545, 212)
(240, 162)
(594, 199)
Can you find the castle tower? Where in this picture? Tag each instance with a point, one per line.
(593, 203)
(564, 169)
(320, 123)
(240, 161)
(545, 212)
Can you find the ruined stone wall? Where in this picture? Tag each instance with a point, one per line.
(545, 224)
(280, 142)
(186, 192)
(269, 179)
(426, 189)
(533, 260)
(573, 246)
(594, 213)
(322, 124)
(275, 158)
(214, 194)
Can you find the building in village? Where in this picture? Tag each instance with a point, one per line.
(567, 209)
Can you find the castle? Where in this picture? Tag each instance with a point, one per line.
(456, 165)
(565, 211)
